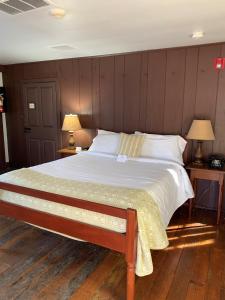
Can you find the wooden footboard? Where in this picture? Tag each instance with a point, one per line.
(124, 243)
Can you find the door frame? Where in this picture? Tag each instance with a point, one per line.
(2, 149)
(58, 104)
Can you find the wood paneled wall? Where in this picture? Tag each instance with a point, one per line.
(157, 91)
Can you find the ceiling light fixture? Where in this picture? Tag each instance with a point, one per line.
(58, 12)
(62, 47)
(197, 35)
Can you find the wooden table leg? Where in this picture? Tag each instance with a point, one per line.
(193, 182)
(190, 208)
(220, 199)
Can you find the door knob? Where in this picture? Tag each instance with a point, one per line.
(27, 129)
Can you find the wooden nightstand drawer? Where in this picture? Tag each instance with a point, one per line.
(205, 174)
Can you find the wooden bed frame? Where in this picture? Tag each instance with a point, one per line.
(125, 243)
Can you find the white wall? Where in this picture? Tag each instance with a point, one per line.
(4, 129)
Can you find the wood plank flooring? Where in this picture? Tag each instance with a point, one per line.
(35, 264)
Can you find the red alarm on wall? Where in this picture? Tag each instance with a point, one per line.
(219, 63)
(1, 104)
(2, 100)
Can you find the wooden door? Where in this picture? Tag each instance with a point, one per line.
(41, 122)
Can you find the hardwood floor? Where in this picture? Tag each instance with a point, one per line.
(35, 264)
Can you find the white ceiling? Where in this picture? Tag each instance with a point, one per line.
(97, 27)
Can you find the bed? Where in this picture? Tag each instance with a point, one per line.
(126, 209)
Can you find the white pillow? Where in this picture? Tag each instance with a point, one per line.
(167, 147)
(181, 141)
(101, 131)
(106, 143)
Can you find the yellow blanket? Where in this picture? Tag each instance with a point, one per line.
(151, 232)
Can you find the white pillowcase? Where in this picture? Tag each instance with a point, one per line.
(168, 147)
(101, 131)
(106, 143)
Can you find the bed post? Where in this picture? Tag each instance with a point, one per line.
(131, 251)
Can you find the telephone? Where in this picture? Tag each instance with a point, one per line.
(216, 161)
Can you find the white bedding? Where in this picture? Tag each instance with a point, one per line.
(89, 175)
(166, 181)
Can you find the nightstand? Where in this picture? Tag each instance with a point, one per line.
(66, 152)
(205, 173)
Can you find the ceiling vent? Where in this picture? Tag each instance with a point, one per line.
(13, 7)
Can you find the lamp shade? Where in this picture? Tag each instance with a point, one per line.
(201, 130)
(71, 123)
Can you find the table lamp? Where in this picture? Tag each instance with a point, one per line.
(71, 123)
(201, 130)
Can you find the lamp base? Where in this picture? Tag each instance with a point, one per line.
(198, 162)
(71, 141)
(198, 154)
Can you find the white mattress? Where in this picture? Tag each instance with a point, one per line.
(166, 181)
